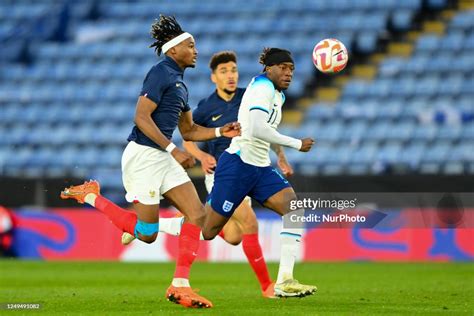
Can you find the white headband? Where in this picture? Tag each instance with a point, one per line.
(175, 41)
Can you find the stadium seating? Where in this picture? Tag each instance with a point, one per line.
(424, 103)
(70, 109)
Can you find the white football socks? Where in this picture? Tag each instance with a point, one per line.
(290, 239)
(180, 282)
(171, 225)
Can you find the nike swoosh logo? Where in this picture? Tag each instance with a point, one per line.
(194, 254)
(258, 259)
(215, 118)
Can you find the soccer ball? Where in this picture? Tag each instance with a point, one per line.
(330, 56)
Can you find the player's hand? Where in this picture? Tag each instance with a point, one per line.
(285, 167)
(231, 130)
(184, 158)
(208, 163)
(306, 144)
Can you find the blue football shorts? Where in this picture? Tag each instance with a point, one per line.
(235, 179)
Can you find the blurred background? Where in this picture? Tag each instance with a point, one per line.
(400, 117)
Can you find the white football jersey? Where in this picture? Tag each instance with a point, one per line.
(260, 95)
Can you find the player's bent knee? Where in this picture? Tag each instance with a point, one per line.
(290, 196)
(284, 204)
(233, 241)
(146, 232)
(251, 227)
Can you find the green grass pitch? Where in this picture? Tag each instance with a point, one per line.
(362, 288)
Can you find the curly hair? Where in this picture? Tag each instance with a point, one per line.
(222, 58)
(163, 30)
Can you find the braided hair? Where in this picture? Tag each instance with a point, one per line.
(163, 30)
(264, 55)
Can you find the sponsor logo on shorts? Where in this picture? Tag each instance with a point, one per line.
(227, 206)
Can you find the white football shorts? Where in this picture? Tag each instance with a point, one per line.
(148, 173)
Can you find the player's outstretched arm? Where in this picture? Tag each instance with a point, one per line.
(194, 132)
(261, 129)
(208, 162)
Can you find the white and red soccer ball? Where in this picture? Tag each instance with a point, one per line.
(330, 56)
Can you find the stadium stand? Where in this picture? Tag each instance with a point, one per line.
(70, 74)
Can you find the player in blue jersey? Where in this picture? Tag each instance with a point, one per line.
(153, 167)
(244, 168)
(221, 107)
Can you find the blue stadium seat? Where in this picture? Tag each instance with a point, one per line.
(109, 179)
(401, 131)
(389, 152)
(463, 20)
(449, 132)
(404, 87)
(453, 41)
(331, 131)
(425, 132)
(469, 42)
(365, 153)
(417, 64)
(412, 154)
(467, 133)
(437, 4)
(367, 41)
(451, 85)
(438, 152)
(428, 42)
(321, 154)
(402, 19)
(391, 66)
(378, 130)
(462, 152)
(321, 111)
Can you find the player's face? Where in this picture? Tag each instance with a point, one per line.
(226, 77)
(186, 53)
(281, 75)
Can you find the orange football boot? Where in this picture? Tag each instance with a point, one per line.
(187, 297)
(79, 192)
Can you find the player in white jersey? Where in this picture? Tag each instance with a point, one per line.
(244, 169)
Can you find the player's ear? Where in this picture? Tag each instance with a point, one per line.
(172, 50)
(213, 77)
(268, 70)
